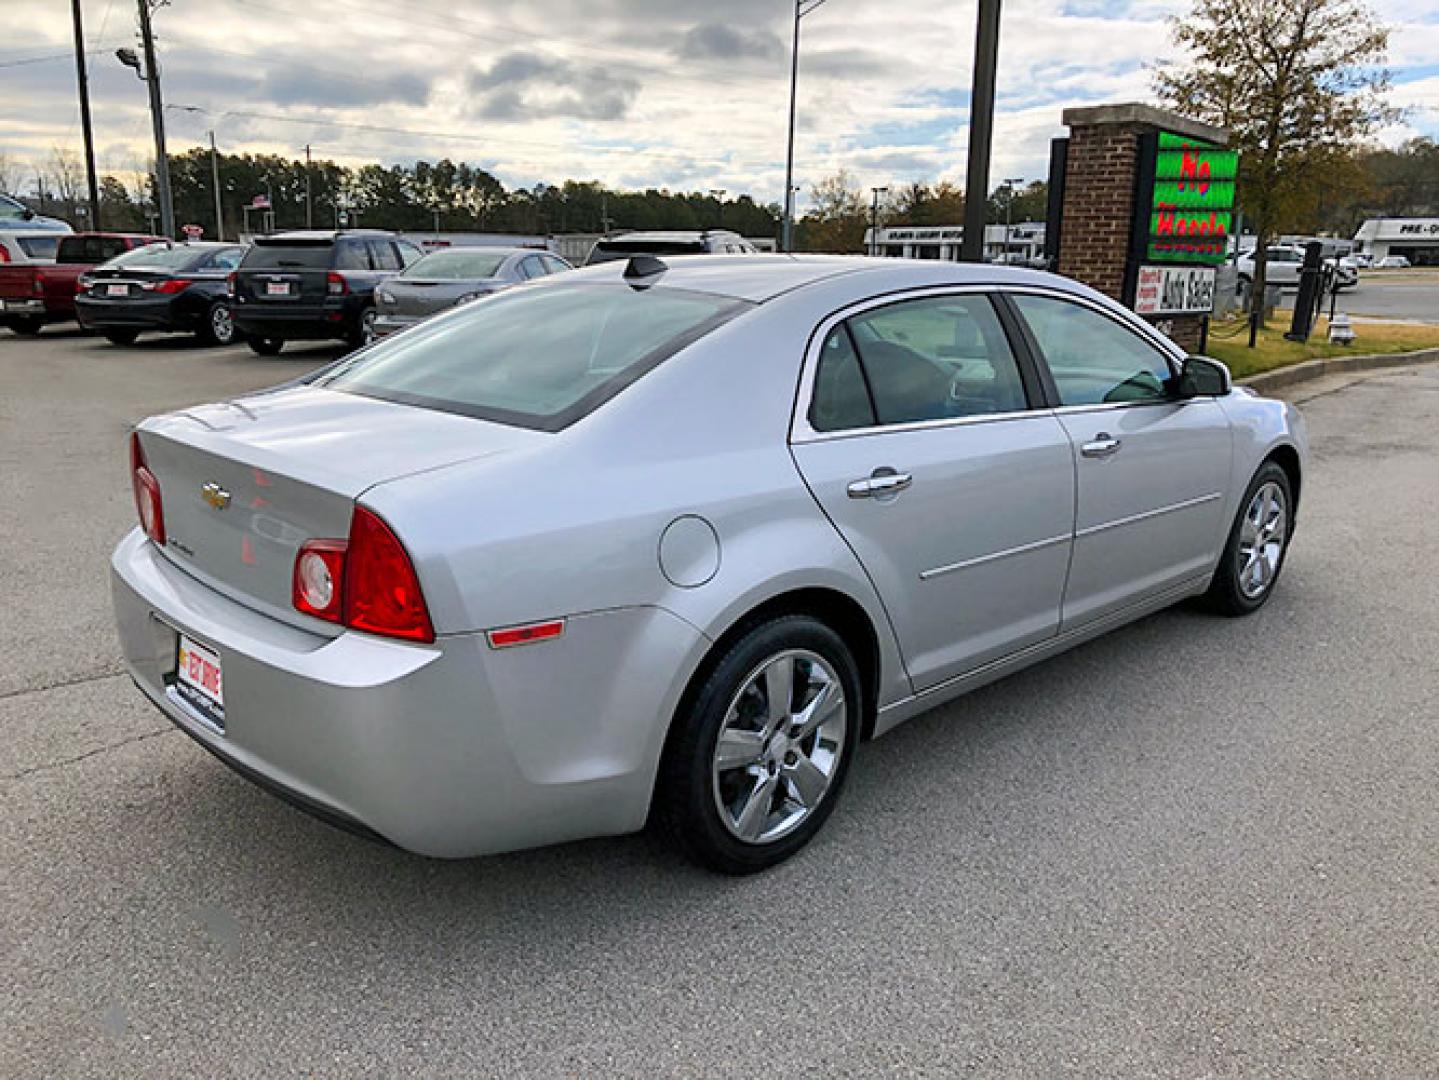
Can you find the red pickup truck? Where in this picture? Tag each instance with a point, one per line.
(33, 294)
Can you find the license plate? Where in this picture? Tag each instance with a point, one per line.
(277, 288)
(199, 681)
(117, 290)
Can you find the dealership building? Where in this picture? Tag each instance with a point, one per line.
(1417, 239)
(1021, 242)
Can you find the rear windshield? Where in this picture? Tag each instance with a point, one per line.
(288, 256)
(538, 357)
(89, 249)
(38, 247)
(456, 265)
(609, 250)
(160, 256)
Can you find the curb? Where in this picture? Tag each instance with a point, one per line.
(1334, 365)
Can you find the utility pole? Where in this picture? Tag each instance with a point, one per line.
(215, 176)
(83, 78)
(876, 192)
(309, 204)
(157, 118)
(981, 130)
(719, 193)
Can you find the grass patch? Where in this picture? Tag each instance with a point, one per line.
(1271, 350)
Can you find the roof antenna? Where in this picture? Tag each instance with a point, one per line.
(641, 268)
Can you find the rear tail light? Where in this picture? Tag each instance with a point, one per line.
(147, 492)
(335, 284)
(171, 287)
(319, 574)
(4, 254)
(366, 582)
(230, 283)
(39, 283)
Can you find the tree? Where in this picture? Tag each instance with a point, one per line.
(11, 173)
(1294, 81)
(837, 217)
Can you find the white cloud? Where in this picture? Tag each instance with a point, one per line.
(680, 93)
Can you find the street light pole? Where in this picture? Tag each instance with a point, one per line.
(981, 130)
(875, 193)
(215, 176)
(157, 119)
(309, 202)
(83, 78)
(1008, 208)
(801, 9)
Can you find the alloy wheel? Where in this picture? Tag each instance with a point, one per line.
(222, 324)
(1261, 540)
(780, 746)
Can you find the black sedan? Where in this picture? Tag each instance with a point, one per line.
(164, 287)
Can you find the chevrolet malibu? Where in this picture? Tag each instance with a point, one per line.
(667, 541)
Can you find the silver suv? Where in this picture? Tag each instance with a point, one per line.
(706, 242)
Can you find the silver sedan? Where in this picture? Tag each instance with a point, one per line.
(453, 276)
(667, 541)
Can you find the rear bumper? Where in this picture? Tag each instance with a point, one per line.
(450, 749)
(32, 308)
(337, 318)
(146, 314)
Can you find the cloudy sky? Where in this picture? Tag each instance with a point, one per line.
(688, 94)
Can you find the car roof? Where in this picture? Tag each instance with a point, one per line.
(311, 236)
(671, 236)
(762, 277)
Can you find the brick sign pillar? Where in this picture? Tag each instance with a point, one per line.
(1101, 195)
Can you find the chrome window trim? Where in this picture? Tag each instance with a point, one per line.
(801, 431)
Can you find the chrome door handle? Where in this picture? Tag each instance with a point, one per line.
(879, 483)
(1102, 446)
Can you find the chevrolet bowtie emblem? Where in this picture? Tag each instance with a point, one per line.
(215, 495)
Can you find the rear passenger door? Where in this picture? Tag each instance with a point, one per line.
(1151, 471)
(927, 444)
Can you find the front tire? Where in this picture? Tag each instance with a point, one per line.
(1258, 541)
(760, 753)
(266, 346)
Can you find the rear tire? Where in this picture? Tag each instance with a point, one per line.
(1258, 542)
(266, 346)
(753, 799)
(364, 330)
(219, 328)
(121, 337)
(28, 325)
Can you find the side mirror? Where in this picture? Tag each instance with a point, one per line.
(27, 214)
(1202, 377)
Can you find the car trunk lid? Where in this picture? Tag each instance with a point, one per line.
(244, 483)
(418, 296)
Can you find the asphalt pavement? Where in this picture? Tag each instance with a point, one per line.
(1195, 847)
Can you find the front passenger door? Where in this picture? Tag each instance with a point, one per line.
(951, 484)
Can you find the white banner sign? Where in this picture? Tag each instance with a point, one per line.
(1174, 290)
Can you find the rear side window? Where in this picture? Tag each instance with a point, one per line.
(409, 254)
(382, 255)
(352, 255)
(288, 257)
(554, 265)
(538, 358)
(89, 249)
(530, 267)
(841, 398)
(227, 259)
(937, 358)
(38, 247)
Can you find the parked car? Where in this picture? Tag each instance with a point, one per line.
(32, 295)
(706, 242)
(1358, 260)
(1393, 262)
(16, 215)
(165, 287)
(453, 276)
(1283, 262)
(26, 245)
(652, 542)
(314, 285)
